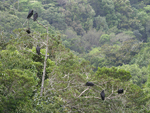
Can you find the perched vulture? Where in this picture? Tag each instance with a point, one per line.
(89, 84)
(103, 95)
(30, 14)
(35, 16)
(38, 50)
(120, 91)
(28, 31)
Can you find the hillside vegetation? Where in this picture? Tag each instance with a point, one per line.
(106, 42)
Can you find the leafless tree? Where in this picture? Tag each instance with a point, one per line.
(44, 69)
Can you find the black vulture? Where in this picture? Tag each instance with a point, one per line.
(120, 91)
(35, 16)
(38, 50)
(28, 17)
(89, 84)
(103, 95)
(30, 14)
(28, 31)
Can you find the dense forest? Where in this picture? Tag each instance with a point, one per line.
(106, 42)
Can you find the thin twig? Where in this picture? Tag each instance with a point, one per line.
(91, 97)
(111, 92)
(84, 91)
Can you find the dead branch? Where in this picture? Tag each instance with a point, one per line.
(84, 91)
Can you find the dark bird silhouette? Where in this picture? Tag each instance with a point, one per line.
(35, 16)
(103, 95)
(38, 50)
(30, 14)
(28, 31)
(120, 91)
(89, 84)
(28, 17)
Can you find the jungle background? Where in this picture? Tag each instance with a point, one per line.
(106, 42)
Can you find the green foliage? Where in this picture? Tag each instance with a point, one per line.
(4, 6)
(147, 84)
(115, 73)
(94, 51)
(117, 55)
(47, 104)
(91, 39)
(54, 18)
(139, 75)
(3, 40)
(100, 23)
(142, 58)
(105, 32)
(79, 16)
(9, 22)
(73, 43)
(138, 97)
(104, 38)
(16, 87)
(143, 17)
(12, 59)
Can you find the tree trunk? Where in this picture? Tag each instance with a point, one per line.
(45, 61)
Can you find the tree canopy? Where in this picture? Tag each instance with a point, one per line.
(101, 42)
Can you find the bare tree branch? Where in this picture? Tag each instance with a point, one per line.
(91, 97)
(84, 91)
(44, 69)
(111, 92)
